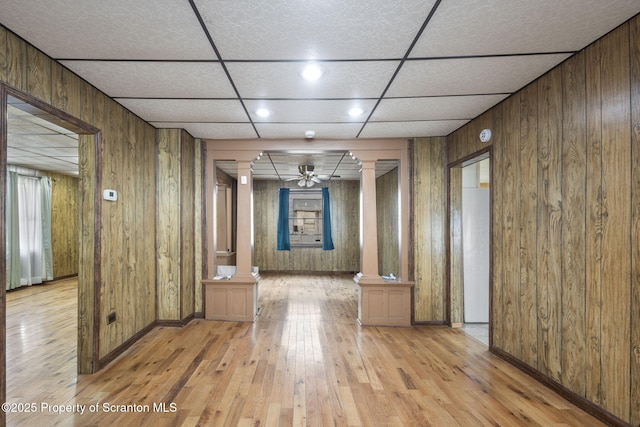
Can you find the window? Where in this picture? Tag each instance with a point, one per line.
(305, 218)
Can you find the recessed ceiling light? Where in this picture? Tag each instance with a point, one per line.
(312, 72)
(263, 112)
(355, 112)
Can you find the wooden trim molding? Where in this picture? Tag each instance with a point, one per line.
(571, 396)
(88, 335)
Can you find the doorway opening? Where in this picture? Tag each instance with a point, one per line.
(476, 209)
(33, 114)
(469, 247)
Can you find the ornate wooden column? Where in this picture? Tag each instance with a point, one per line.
(234, 298)
(368, 224)
(380, 302)
(244, 218)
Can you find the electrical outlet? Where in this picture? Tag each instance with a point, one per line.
(111, 317)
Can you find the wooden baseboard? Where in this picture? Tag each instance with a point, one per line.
(124, 346)
(128, 343)
(563, 391)
(430, 323)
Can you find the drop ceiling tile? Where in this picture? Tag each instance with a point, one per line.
(295, 29)
(349, 79)
(490, 27)
(43, 163)
(47, 151)
(307, 111)
(40, 140)
(297, 130)
(434, 108)
(187, 110)
(212, 130)
(21, 127)
(411, 129)
(470, 76)
(115, 29)
(155, 79)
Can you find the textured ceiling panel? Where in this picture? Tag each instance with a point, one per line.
(186, 110)
(434, 108)
(416, 67)
(410, 129)
(309, 111)
(155, 79)
(470, 76)
(113, 29)
(351, 79)
(212, 130)
(491, 27)
(309, 29)
(297, 130)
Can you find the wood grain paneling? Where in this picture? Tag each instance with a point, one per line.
(593, 242)
(455, 300)
(565, 230)
(3, 54)
(634, 34)
(344, 196)
(187, 226)
(168, 238)
(120, 277)
(387, 216)
(64, 224)
(510, 242)
(16, 62)
(429, 216)
(527, 195)
(549, 237)
(616, 231)
(175, 231)
(88, 338)
(573, 223)
(38, 75)
(199, 219)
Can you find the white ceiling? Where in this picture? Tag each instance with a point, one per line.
(416, 67)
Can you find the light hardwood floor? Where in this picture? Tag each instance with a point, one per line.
(305, 361)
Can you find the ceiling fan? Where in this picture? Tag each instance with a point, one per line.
(307, 177)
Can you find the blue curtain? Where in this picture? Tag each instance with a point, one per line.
(284, 244)
(327, 241)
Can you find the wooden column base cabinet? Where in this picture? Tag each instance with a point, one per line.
(384, 303)
(235, 299)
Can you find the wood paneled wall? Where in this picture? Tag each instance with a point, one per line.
(64, 224)
(344, 196)
(388, 226)
(176, 224)
(566, 222)
(429, 217)
(124, 267)
(198, 227)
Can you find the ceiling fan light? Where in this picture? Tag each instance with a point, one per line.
(310, 183)
(302, 183)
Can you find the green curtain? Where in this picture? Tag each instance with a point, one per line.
(284, 240)
(327, 241)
